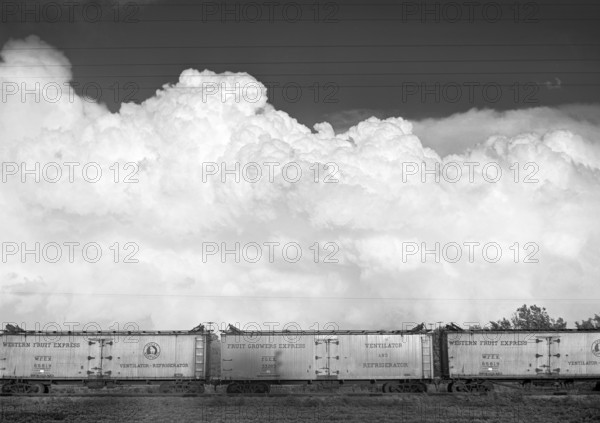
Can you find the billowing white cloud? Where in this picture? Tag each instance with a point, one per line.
(465, 130)
(370, 221)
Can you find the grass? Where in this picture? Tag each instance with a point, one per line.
(493, 408)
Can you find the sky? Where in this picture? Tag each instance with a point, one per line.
(199, 148)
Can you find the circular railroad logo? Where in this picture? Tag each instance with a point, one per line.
(596, 347)
(151, 350)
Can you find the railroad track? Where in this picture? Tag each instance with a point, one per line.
(280, 395)
(215, 395)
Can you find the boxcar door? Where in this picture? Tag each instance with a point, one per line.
(94, 358)
(106, 357)
(99, 358)
(334, 357)
(327, 358)
(543, 344)
(554, 355)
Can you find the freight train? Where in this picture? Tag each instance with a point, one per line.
(252, 362)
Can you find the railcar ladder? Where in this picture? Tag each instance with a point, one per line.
(426, 355)
(200, 356)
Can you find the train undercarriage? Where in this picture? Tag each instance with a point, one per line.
(23, 386)
(415, 386)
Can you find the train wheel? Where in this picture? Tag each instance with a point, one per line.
(386, 387)
(20, 388)
(485, 386)
(460, 386)
(399, 387)
(181, 388)
(38, 388)
(419, 387)
(393, 387)
(187, 387)
(261, 388)
(235, 388)
(450, 387)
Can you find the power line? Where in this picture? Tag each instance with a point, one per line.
(254, 46)
(259, 75)
(320, 20)
(403, 86)
(312, 3)
(169, 4)
(308, 62)
(265, 297)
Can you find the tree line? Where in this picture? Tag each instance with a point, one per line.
(537, 318)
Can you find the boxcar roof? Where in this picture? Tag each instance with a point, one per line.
(105, 332)
(322, 332)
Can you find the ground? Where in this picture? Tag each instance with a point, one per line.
(491, 408)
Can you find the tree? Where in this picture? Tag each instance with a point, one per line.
(501, 324)
(591, 323)
(530, 318)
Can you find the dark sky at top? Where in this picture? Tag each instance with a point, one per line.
(330, 60)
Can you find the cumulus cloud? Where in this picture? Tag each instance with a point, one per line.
(369, 215)
(465, 130)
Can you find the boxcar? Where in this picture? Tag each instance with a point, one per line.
(32, 361)
(252, 361)
(474, 359)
